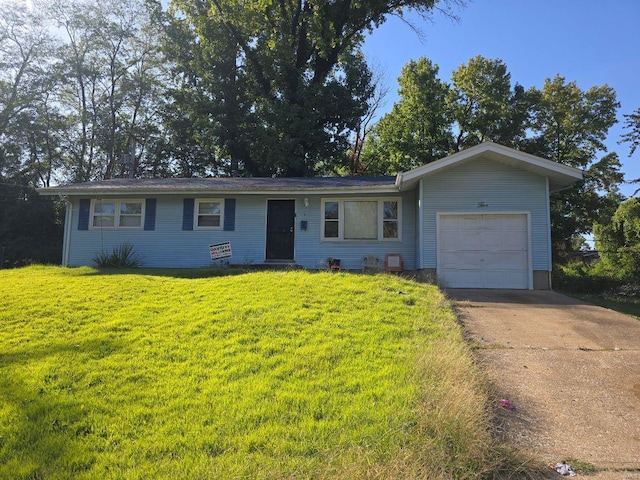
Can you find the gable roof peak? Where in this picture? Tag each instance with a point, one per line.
(560, 176)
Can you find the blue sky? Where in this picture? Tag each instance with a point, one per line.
(589, 41)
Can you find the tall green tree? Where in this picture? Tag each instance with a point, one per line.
(632, 125)
(25, 53)
(433, 119)
(30, 225)
(484, 105)
(618, 241)
(570, 127)
(418, 128)
(355, 163)
(632, 135)
(113, 89)
(276, 86)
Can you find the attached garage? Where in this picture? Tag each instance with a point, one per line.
(484, 250)
(483, 217)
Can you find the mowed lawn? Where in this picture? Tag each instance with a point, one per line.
(188, 374)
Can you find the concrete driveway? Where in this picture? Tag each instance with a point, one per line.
(572, 371)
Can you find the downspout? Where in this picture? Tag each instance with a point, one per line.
(549, 252)
(67, 230)
(420, 246)
(399, 181)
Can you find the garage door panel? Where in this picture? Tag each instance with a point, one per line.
(473, 223)
(483, 251)
(495, 223)
(470, 261)
(503, 261)
(504, 279)
(456, 240)
(466, 278)
(462, 260)
(492, 241)
(514, 241)
(471, 278)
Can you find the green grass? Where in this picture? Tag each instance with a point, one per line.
(274, 375)
(627, 305)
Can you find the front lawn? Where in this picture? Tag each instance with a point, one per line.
(169, 374)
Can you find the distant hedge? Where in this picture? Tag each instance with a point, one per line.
(31, 227)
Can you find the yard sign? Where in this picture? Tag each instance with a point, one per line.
(220, 251)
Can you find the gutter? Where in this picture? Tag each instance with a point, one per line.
(112, 192)
(67, 230)
(566, 187)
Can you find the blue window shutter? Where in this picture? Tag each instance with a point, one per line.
(150, 214)
(187, 214)
(229, 214)
(83, 214)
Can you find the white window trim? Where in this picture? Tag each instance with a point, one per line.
(196, 205)
(116, 221)
(341, 200)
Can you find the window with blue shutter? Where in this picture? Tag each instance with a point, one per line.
(229, 214)
(187, 214)
(83, 214)
(150, 214)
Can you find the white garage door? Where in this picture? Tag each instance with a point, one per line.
(483, 251)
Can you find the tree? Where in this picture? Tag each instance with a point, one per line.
(485, 107)
(632, 124)
(354, 162)
(25, 48)
(113, 90)
(418, 128)
(433, 119)
(277, 86)
(570, 126)
(619, 241)
(30, 226)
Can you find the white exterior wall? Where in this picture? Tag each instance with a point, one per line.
(501, 188)
(170, 246)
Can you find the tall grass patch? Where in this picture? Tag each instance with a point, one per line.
(158, 374)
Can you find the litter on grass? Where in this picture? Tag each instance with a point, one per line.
(507, 404)
(565, 469)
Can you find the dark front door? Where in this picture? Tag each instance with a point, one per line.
(281, 221)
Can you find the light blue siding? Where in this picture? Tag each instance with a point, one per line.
(460, 189)
(171, 246)
(311, 251)
(501, 188)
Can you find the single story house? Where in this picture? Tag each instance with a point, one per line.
(476, 219)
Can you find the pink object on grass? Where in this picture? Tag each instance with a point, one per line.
(507, 404)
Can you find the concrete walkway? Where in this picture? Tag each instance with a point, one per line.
(572, 371)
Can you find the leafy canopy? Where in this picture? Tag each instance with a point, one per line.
(274, 88)
(619, 241)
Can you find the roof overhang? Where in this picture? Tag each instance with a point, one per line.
(227, 186)
(560, 176)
